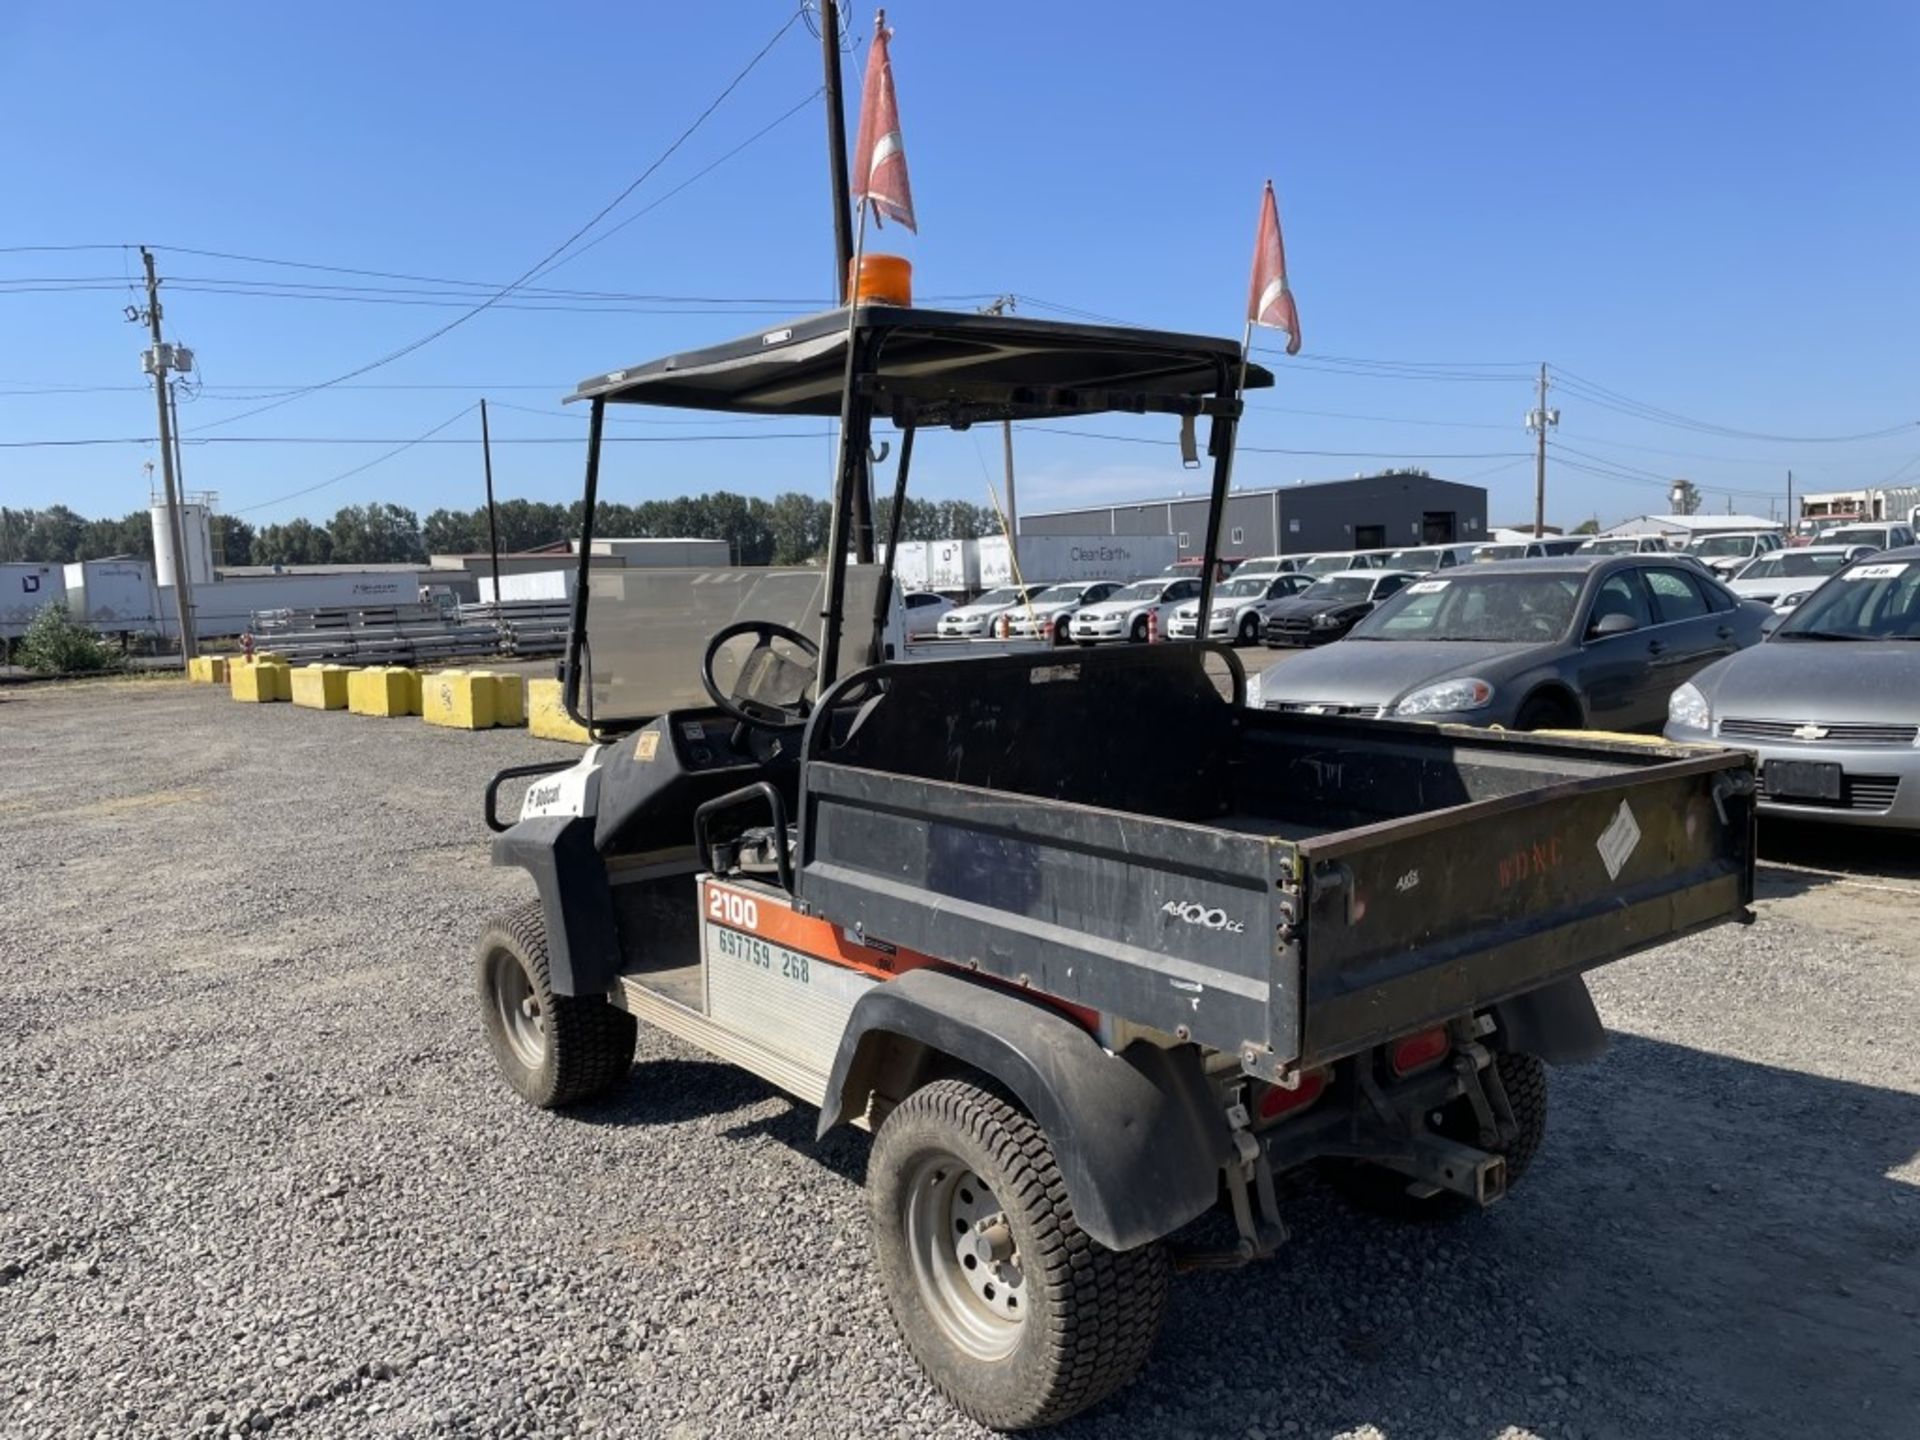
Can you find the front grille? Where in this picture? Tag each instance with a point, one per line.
(1837, 734)
(1870, 794)
(1310, 707)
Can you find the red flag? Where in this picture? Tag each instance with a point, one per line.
(1269, 301)
(879, 159)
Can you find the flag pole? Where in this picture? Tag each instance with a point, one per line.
(841, 514)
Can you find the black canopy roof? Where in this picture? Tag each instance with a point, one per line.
(941, 367)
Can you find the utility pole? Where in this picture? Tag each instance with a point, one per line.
(837, 148)
(1539, 420)
(1793, 521)
(158, 362)
(493, 525)
(1001, 307)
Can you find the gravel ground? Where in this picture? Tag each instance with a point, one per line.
(257, 1173)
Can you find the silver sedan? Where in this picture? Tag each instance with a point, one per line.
(1830, 705)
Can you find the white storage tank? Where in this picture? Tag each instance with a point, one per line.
(196, 528)
(113, 595)
(27, 588)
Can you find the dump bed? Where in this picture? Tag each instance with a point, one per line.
(1288, 888)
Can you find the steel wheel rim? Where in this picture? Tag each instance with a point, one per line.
(517, 1007)
(965, 1263)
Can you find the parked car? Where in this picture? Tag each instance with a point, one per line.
(1783, 578)
(1828, 705)
(1578, 640)
(1130, 613)
(1726, 552)
(1331, 606)
(923, 611)
(1053, 608)
(976, 617)
(1427, 558)
(1240, 607)
(1223, 567)
(1526, 549)
(1624, 545)
(1271, 565)
(1336, 562)
(1876, 537)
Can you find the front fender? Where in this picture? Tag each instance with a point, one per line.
(1139, 1137)
(583, 946)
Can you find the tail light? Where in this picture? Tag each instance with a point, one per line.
(1417, 1052)
(1276, 1102)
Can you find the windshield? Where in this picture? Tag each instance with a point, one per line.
(1628, 546)
(1861, 535)
(1055, 593)
(1501, 552)
(1512, 609)
(1240, 589)
(1421, 560)
(1871, 601)
(1340, 587)
(1793, 562)
(1141, 590)
(1723, 545)
(1326, 564)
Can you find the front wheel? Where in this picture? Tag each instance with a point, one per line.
(1061, 634)
(1139, 634)
(553, 1049)
(1015, 1314)
(1249, 630)
(1544, 712)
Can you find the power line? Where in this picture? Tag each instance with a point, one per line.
(538, 266)
(409, 444)
(361, 469)
(1600, 395)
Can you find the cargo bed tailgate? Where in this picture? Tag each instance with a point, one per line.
(1413, 920)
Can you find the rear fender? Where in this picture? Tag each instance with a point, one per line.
(1139, 1137)
(1557, 1022)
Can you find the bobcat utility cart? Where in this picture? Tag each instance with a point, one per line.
(1090, 946)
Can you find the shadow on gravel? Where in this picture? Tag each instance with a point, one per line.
(1706, 1247)
(666, 1092)
(844, 1152)
(1866, 854)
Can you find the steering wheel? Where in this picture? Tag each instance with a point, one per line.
(762, 660)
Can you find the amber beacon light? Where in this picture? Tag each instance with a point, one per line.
(883, 280)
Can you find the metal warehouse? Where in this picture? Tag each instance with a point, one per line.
(1377, 512)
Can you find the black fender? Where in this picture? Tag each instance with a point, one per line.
(1139, 1137)
(583, 946)
(1557, 1022)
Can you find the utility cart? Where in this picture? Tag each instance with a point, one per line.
(1089, 945)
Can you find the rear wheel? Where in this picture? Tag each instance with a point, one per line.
(1014, 1313)
(553, 1049)
(1385, 1192)
(1546, 712)
(1139, 634)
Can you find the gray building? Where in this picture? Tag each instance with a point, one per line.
(1379, 512)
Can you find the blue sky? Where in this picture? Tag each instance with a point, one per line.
(1706, 208)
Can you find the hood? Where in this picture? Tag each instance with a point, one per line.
(1107, 609)
(1379, 672)
(1852, 680)
(1301, 605)
(977, 612)
(1785, 585)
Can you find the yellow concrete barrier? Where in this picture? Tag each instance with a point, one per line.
(257, 681)
(320, 687)
(458, 699)
(207, 670)
(384, 690)
(547, 714)
(509, 697)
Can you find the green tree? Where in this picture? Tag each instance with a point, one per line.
(1686, 498)
(378, 533)
(797, 527)
(298, 542)
(1587, 527)
(232, 540)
